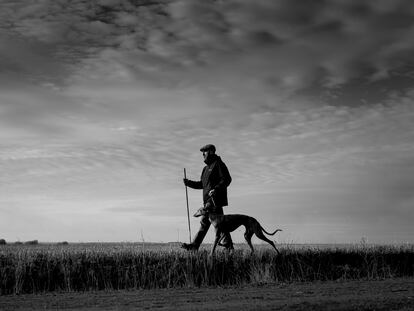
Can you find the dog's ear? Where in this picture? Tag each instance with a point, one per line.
(200, 212)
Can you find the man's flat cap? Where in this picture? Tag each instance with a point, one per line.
(208, 147)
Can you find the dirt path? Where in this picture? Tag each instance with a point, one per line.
(395, 294)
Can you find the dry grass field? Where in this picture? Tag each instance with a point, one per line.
(50, 276)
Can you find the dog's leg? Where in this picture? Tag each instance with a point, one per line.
(216, 240)
(260, 235)
(248, 236)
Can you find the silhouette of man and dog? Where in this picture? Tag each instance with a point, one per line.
(214, 180)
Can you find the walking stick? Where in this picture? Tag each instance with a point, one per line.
(188, 211)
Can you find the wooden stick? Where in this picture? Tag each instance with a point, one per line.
(188, 210)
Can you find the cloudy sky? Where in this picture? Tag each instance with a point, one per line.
(103, 103)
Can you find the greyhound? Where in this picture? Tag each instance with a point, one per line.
(229, 223)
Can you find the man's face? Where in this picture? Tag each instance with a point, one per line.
(206, 153)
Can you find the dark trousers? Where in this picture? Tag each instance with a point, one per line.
(205, 225)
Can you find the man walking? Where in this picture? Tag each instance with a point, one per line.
(215, 178)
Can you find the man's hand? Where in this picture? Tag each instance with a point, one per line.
(211, 192)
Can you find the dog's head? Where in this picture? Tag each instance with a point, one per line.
(201, 212)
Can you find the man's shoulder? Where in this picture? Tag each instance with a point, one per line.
(220, 162)
(217, 162)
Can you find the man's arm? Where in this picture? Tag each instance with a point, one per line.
(194, 184)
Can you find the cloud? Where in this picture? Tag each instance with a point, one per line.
(111, 99)
(273, 147)
(290, 46)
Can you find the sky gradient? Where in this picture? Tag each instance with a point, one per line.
(309, 103)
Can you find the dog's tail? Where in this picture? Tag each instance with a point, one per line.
(277, 230)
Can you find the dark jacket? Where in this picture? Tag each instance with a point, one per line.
(215, 175)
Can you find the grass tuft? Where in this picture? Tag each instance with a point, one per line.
(82, 267)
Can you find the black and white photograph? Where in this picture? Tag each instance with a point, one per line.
(206, 155)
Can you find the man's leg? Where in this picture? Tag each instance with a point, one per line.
(204, 226)
(198, 239)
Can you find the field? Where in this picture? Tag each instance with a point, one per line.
(78, 269)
